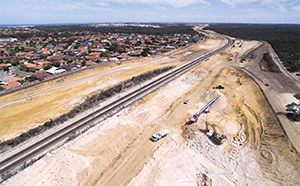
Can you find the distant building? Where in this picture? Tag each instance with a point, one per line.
(8, 39)
(55, 70)
(71, 66)
(41, 75)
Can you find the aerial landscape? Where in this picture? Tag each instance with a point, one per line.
(200, 93)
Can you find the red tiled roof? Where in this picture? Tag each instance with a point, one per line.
(5, 65)
(20, 53)
(36, 66)
(41, 75)
(10, 85)
(95, 54)
(55, 58)
(29, 55)
(42, 62)
(89, 63)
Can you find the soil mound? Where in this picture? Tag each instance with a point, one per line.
(297, 96)
(267, 64)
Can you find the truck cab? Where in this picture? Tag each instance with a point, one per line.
(155, 137)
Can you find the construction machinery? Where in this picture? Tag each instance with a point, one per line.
(195, 117)
(219, 138)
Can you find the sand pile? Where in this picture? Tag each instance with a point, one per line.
(267, 64)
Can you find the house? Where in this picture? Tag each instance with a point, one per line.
(44, 63)
(20, 54)
(28, 56)
(10, 85)
(36, 66)
(12, 82)
(170, 47)
(95, 53)
(123, 56)
(5, 65)
(88, 63)
(55, 58)
(55, 70)
(41, 75)
(90, 57)
(71, 66)
(113, 59)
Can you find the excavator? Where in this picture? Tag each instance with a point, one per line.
(219, 138)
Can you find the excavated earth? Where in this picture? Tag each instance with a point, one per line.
(117, 151)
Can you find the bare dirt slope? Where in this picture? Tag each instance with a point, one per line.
(118, 151)
(264, 67)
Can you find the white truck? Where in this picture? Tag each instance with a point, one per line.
(161, 134)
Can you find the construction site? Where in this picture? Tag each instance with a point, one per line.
(216, 124)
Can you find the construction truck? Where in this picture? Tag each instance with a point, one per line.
(219, 138)
(161, 134)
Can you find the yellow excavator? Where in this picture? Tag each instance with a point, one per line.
(219, 138)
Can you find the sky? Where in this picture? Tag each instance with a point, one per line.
(103, 11)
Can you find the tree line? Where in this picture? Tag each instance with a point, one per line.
(64, 30)
(284, 39)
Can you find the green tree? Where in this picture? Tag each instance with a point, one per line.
(127, 42)
(120, 50)
(32, 70)
(48, 66)
(69, 61)
(14, 63)
(144, 53)
(138, 43)
(104, 54)
(6, 69)
(23, 68)
(56, 64)
(16, 49)
(113, 47)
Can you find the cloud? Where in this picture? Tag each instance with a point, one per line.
(233, 3)
(162, 3)
(279, 5)
(296, 8)
(60, 5)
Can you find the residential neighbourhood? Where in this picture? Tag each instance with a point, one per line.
(37, 54)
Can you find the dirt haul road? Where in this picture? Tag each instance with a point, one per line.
(118, 151)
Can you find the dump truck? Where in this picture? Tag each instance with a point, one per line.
(161, 134)
(219, 138)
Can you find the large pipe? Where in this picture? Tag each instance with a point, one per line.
(194, 118)
(208, 104)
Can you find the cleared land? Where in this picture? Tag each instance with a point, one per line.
(118, 151)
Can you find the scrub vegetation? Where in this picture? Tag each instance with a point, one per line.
(284, 39)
